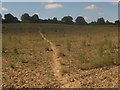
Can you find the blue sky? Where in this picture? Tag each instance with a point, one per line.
(89, 10)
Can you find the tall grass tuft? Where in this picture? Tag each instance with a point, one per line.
(81, 57)
(102, 61)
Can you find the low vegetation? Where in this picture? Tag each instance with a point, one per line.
(87, 52)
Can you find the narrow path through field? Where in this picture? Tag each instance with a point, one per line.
(56, 64)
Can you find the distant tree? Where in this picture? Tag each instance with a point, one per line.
(93, 23)
(55, 20)
(67, 20)
(49, 20)
(40, 20)
(1, 19)
(9, 18)
(34, 18)
(45, 21)
(60, 22)
(16, 20)
(117, 22)
(25, 18)
(100, 21)
(80, 20)
(109, 23)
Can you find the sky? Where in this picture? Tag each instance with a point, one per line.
(91, 11)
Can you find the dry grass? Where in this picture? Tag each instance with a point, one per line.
(27, 58)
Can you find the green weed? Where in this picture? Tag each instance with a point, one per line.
(46, 49)
(12, 65)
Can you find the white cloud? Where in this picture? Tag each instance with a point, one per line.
(4, 9)
(52, 6)
(91, 7)
(50, 1)
(100, 13)
(115, 3)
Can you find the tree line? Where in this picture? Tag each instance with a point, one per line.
(26, 18)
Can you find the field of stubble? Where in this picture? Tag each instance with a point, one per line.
(85, 56)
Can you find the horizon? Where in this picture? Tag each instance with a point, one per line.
(91, 11)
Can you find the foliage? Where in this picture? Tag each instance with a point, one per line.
(80, 20)
(25, 18)
(9, 18)
(100, 21)
(67, 20)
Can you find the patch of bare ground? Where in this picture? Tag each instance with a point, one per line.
(27, 66)
(105, 77)
(94, 78)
